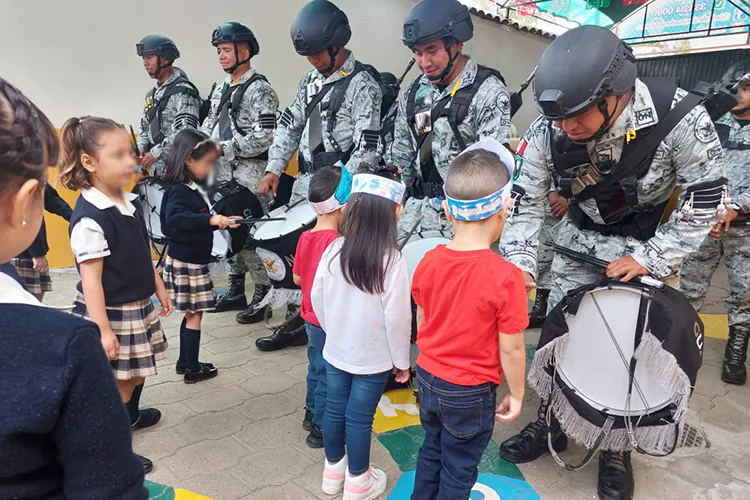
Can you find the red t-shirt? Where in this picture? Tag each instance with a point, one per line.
(310, 248)
(467, 298)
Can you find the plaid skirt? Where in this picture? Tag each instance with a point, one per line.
(189, 285)
(35, 282)
(142, 340)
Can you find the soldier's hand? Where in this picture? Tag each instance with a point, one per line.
(269, 184)
(148, 161)
(558, 205)
(626, 268)
(725, 223)
(528, 280)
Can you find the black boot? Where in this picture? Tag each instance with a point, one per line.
(615, 476)
(531, 443)
(735, 355)
(307, 422)
(147, 464)
(539, 311)
(291, 333)
(250, 315)
(234, 299)
(315, 438)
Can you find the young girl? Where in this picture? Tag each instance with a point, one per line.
(188, 224)
(361, 297)
(109, 241)
(329, 191)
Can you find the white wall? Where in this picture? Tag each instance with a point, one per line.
(77, 57)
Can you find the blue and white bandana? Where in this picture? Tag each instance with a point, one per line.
(340, 197)
(379, 186)
(473, 210)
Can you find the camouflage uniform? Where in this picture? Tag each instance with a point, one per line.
(359, 112)
(544, 258)
(689, 155)
(256, 118)
(734, 245)
(181, 111)
(488, 116)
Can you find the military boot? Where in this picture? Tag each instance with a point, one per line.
(290, 333)
(234, 299)
(615, 476)
(735, 355)
(539, 311)
(252, 314)
(531, 443)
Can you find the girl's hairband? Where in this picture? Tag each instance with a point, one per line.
(379, 186)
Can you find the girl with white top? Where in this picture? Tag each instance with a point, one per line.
(361, 296)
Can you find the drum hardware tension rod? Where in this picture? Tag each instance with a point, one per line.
(410, 233)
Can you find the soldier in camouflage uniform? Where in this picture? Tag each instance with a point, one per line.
(173, 103)
(334, 117)
(242, 119)
(454, 103)
(583, 137)
(734, 242)
(555, 207)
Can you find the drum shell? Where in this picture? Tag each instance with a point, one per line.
(232, 198)
(150, 191)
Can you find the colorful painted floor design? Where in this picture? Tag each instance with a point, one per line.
(488, 487)
(161, 492)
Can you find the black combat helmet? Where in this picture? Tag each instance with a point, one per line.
(738, 75)
(435, 19)
(235, 33)
(580, 69)
(158, 45)
(320, 25)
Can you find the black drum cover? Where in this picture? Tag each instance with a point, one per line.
(232, 198)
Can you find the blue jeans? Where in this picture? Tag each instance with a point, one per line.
(350, 410)
(317, 385)
(458, 422)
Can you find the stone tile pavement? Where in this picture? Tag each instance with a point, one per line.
(239, 436)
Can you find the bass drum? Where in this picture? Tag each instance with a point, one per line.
(150, 191)
(232, 198)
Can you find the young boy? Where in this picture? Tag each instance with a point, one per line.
(471, 312)
(329, 191)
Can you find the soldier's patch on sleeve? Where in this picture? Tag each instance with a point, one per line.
(704, 128)
(184, 120)
(373, 93)
(519, 158)
(287, 118)
(714, 152)
(267, 121)
(503, 102)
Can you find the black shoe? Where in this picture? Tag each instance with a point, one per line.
(307, 422)
(735, 355)
(291, 333)
(148, 465)
(539, 312)
(234, 299)
(179, 368)
(146, 418)
(615, 476)
(252, 314)
(206, 372)
(315, 438)
(531, 443)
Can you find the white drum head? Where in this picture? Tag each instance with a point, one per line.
(592, 364)
(295, 218)
(151, 195)
(221, 244)
(418, 245)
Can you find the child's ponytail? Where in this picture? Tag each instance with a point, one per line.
(81, 136)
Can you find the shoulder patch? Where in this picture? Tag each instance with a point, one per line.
(704, 128)
(519, 158)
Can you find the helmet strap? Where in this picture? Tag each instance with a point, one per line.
(237, 62)
(332, 56)
(160, 67)
(741, 111)
(449, 66)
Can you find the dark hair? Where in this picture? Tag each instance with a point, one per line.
(370, 233)
(28, 141)
(188, 143)
(79, 136)
(475, 174)
(323, 184)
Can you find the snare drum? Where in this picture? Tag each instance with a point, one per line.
(232, 198)
(150, 192)
(276, 241)
(421, 243)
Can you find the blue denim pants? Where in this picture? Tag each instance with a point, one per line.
(350, 410)
(317, 385)
(458, 422)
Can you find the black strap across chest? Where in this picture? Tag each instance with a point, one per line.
(180, 85)
(232, 97)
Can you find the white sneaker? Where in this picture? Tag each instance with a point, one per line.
(367, 486)
(333, 476)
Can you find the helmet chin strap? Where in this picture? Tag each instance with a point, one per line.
(332, 56)
(602, 105)
(447, 70)
(741, 111)
(237, 62)
(160, 67)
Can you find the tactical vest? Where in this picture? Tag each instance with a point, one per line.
(460, 102)
(618, 204)
(155, 108)
(723, 130)
(232, 100)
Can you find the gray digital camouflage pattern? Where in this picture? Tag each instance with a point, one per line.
(545, 254)
(359, 111)
(182, 111)
(488, 116)
(258, 105)
(734, 246)
(691, 154)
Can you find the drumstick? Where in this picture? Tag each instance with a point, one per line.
(259, 219)
(135, 142)
(410, 233)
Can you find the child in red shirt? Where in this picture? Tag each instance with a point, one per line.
(329, 191)
(471, 313)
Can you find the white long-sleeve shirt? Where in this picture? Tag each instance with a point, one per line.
(365, 333)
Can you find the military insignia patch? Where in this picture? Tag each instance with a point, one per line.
(519, 158)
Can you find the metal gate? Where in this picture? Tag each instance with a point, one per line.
(692, 68)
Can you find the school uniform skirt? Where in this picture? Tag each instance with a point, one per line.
(189, 285)
(137, 327)
(35, 281)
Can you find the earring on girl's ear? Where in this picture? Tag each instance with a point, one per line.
(23, 222)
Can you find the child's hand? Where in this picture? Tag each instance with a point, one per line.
(224, 222)
(165, 300)
(528, 280)
(40, 264)
(110, 344)
(508, 409)
(402, 376)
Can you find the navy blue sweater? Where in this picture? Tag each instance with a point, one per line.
(185, 222)
(64, 432)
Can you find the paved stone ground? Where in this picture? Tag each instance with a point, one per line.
(239, 436)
